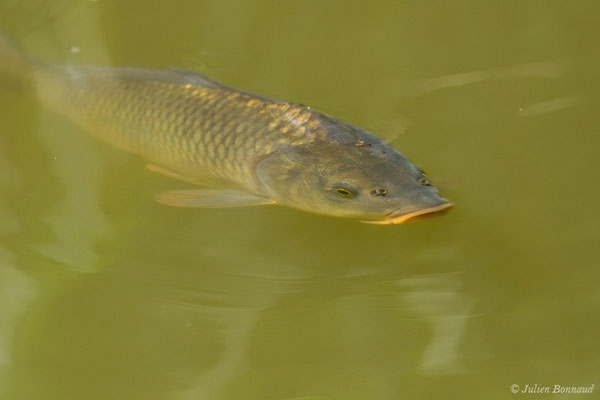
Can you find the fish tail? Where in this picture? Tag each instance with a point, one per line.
(16, 68)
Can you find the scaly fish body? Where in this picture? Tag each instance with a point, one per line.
(177, 119)
(248, 148)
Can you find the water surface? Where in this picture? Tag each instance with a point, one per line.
(105, 294)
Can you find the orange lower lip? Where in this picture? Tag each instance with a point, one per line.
(401, 218)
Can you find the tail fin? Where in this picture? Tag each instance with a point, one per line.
(16, 69)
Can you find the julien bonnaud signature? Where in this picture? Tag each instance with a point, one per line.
(558, 389)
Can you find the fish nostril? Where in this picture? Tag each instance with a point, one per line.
(378, 192)
(424, 181)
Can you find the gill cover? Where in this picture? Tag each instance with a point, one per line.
(279, 173)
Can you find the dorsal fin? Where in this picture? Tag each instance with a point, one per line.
(194, 77)
(175, 75)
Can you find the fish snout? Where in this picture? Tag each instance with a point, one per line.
(423, 213)
(424, 197)
(421, 203)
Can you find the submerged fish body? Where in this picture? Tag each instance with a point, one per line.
(247, 149)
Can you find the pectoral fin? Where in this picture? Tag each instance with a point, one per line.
(211, 198)
(167, 172)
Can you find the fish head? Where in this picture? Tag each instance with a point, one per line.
(371, 181)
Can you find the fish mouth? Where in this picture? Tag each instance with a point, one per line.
(401, 217)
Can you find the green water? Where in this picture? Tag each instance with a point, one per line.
(105, 294)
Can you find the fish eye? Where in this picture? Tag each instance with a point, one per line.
(345, 189)
(344, 192)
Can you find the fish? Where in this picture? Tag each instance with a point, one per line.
(236, 148)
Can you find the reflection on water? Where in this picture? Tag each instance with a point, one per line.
(75, 219)
(17, 290)
(105, 294)
(220, 341)
(550, 106)
(438, 300)
(545, 70)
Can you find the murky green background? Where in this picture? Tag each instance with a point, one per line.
(105, 294)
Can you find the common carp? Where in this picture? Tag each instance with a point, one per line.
(242, 148)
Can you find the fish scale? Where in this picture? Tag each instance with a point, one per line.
(181, 126)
